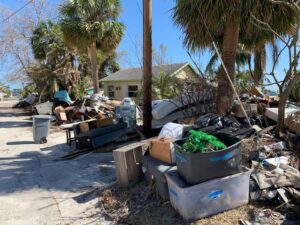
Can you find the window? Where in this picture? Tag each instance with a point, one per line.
(132, 91)
(111, 91)
(118, 88)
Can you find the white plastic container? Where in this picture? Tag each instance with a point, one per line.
(210, 197)
(44, 108)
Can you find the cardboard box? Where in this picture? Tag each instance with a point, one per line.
(84, 127)
(163, 150)
(105, 122)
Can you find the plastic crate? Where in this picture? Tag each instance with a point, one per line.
(195, 168)
(210, 197)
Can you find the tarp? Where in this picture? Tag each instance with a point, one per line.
(63, 96)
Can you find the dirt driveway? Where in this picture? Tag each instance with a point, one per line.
(35, 188)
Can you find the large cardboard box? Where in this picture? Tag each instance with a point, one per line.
(84, 127)
(163, 149)
(103, 122)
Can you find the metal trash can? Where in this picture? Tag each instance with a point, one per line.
(41, 124)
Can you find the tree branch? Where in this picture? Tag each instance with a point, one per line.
(265, 26)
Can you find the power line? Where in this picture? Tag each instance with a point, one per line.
(15, 12)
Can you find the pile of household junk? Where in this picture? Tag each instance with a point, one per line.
(217, 163)
(117, 125)
(94, 120)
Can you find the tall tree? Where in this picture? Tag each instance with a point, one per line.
(88, 25)
(260, 56)
(228, 23)
(15, 49)
(55, 61)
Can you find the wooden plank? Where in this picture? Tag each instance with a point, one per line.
(121, 169)
(63, 116)
(128, 162)
(134, 171)
(138, 154)
(133, 146)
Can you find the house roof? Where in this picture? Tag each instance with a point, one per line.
(137, 73)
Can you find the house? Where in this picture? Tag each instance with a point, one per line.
(2, 96)
(16, 92)
(128, 82)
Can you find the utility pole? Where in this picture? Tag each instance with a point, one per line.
(147, 66)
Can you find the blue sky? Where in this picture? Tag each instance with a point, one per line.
(164, 32)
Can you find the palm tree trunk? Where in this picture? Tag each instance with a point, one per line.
(259, 64)
(229, 47)
(93, 55)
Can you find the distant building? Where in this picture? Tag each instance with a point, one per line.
(16, 92)
(2, 96)
(127, 82)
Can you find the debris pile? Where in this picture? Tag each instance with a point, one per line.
(275, 174)
(27, 103)
(92, 107)
(184, 106)
(138, 205)
(211, 123)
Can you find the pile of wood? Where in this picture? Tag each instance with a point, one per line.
(80, 111)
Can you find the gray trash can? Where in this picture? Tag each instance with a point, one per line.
(41, 124)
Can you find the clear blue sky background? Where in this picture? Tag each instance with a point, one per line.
(164, 32)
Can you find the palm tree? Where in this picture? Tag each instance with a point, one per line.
(242, 58)
(228, 23)
(165, 86)
(91, 25)
(259, 64)
(52, 55)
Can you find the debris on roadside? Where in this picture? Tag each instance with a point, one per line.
(269, 216)
(26, 103)
(232, 154)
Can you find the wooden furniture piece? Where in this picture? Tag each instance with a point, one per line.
(69, 128)
(128, 162)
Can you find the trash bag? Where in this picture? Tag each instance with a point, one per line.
(211, 119)
(212, 123)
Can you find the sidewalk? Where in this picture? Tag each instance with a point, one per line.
(34, 189)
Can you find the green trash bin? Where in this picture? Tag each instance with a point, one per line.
(41, 125)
